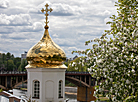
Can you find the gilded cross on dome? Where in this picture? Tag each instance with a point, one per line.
(46, 10)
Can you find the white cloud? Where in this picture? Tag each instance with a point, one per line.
(71, 23)
(37, 9)
(34, 10)
(59, 9)
(3, 19)
(37, 26)
(20, 19)
(107, 20)
(55, 35)
(4, 3)
(106, 12)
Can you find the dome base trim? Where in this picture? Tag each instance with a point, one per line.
(60, 66)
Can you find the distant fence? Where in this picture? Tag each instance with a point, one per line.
(13, 72)
(25, 72)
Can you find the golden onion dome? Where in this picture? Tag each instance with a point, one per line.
(46, 53)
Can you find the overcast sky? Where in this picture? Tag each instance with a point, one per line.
(72, 22)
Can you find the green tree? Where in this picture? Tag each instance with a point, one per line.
(19, 68)
(3, 57)
(12, 57)
(67, 62)
(9, 62)
(77, 65)
(22, 65)
(17, 62)
(117, 57)
(8, 55)
(11, 65)
(1, 63)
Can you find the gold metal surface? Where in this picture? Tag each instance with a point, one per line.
(46, 53)
(46, 10)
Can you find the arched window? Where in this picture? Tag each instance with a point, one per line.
(36, 89)
(60, 91)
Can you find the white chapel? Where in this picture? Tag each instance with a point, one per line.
(46, 71)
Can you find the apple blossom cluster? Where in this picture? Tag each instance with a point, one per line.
(114, 61)
(78, 65)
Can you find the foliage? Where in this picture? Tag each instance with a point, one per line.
(77, 65)
(9, 63)
(17, 61)
(67, 83)
(117, 57)
(1, 90)
(67, 62)
(23, 64)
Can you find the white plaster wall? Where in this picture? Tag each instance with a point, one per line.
(51, 75)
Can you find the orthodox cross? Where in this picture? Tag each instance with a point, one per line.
(46, 10)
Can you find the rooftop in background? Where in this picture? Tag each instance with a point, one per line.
(71, 59)
(23, 56)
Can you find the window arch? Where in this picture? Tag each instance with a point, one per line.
(36, 89)
(60, 89)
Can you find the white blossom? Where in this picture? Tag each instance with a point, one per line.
(127, 81)
(105, 69)
(111, 79)
(132, 55)
(133, 70)
(76, 68)
(96, 39)
(125, 56)
(116, 58)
